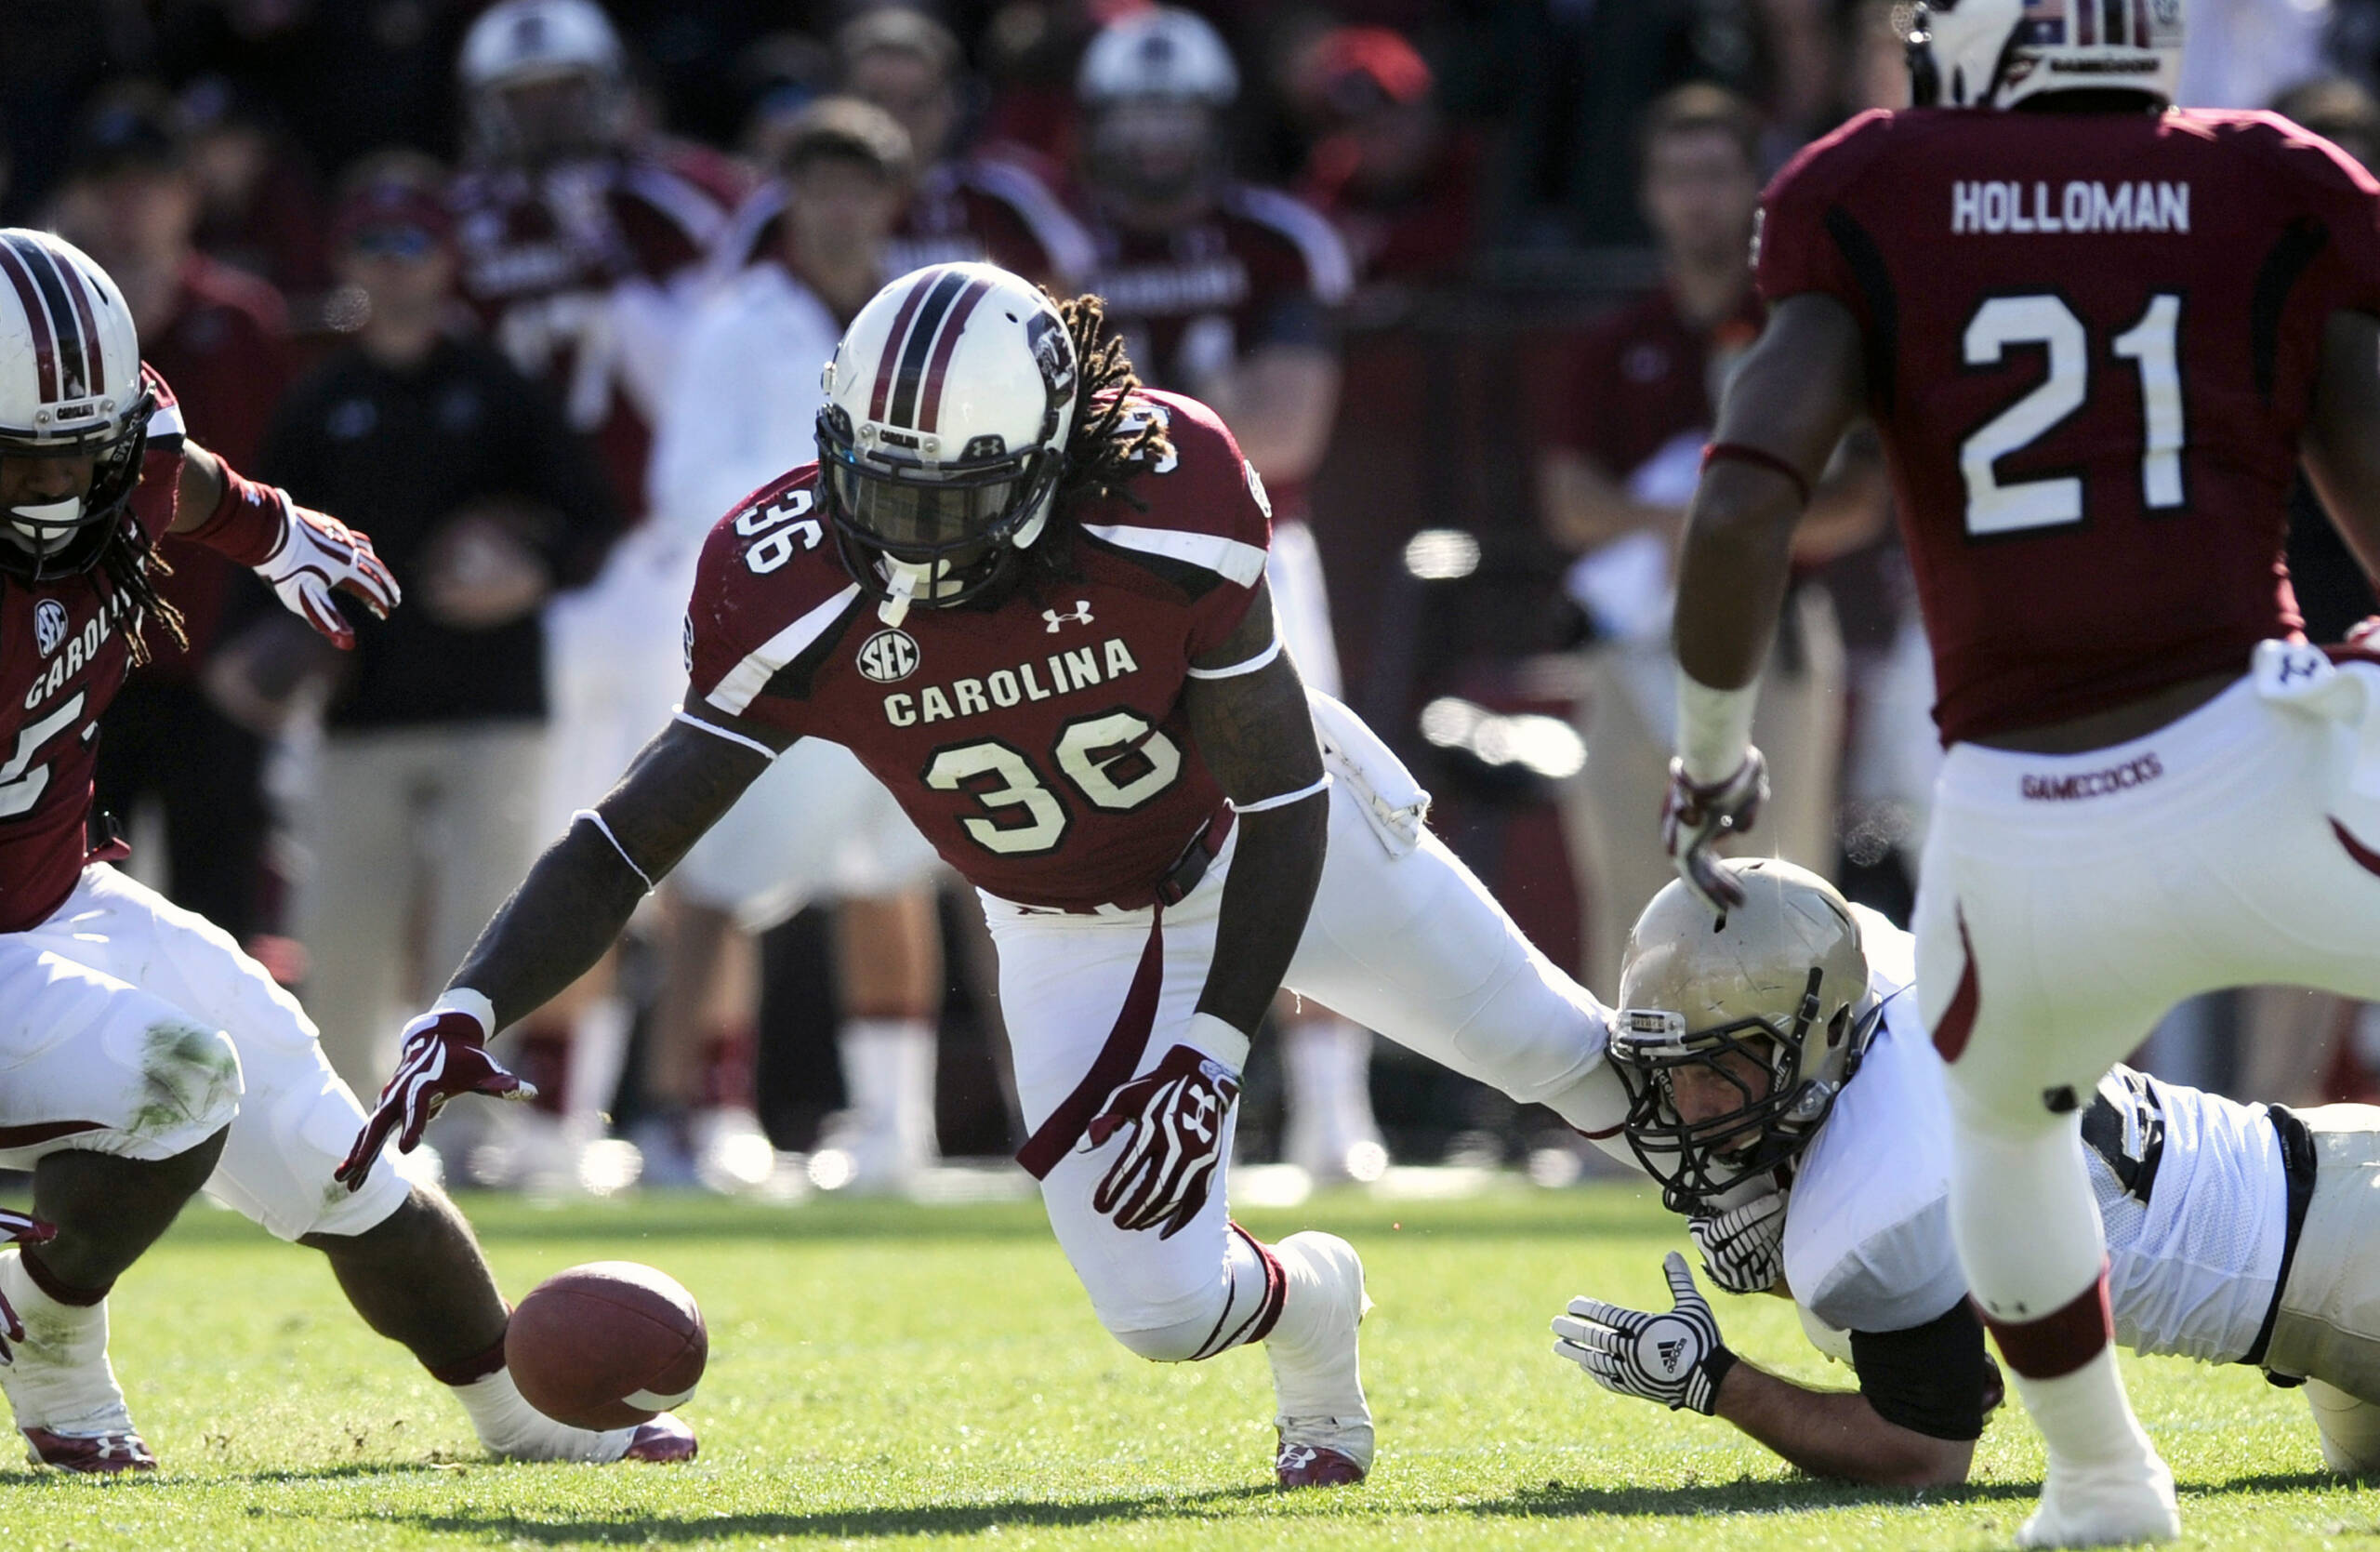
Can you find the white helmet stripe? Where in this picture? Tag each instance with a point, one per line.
(37, 321)
(75, 377)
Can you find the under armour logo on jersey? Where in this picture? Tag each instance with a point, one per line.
(890, 656)
(49, 625)
(1081, 616)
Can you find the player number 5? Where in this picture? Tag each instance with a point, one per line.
(2152, 344)
(21, 781)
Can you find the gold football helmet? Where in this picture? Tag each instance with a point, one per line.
(1778, 985)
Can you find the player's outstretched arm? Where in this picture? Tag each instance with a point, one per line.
(582, 891)
(305, 556)
(1838, 1433)
(556, 925)
(1256, 733)
(2341, 444)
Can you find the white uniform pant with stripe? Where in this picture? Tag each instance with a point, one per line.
(1412, 944)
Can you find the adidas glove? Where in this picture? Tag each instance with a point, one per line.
(1676, 1359)
(1743, 1249)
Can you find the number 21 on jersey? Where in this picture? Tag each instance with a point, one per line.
(2151, 346)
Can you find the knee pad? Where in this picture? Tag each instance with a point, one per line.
(1178, 1343)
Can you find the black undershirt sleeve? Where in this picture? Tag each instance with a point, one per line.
(1934, 1379)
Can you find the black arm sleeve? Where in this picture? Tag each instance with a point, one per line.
(1933, 1379)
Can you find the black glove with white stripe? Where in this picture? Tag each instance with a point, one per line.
(1677, 1359)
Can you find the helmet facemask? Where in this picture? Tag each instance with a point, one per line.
(1699, 1162)
(939, 534)
(46, 541)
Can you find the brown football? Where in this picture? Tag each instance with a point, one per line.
(606, 1344)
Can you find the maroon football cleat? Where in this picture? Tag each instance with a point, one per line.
(663, 1441)
(103, 1455)
(1309, 1465)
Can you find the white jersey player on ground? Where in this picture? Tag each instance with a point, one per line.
(817, 826)
(1785, 1045)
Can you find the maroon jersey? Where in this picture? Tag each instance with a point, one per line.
(1040, 745)
(577, 269)
(1259, 269)
(62, 658)
(2091, 345)
(1644, 377)
(998, 208)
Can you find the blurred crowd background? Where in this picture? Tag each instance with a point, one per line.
(533, 297)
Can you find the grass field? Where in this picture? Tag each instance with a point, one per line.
(890, 1376)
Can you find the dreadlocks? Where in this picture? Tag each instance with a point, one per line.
(132, 564)
(1108, 445)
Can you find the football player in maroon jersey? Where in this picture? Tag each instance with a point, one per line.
(145, 1055)
(1029, 595)
(2097, 335)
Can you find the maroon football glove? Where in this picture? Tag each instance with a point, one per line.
(1695, 817)
(445, 1055)
(1176, 1113)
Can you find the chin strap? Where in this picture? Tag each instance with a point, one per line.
(904, 587)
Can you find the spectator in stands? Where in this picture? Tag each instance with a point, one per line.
(481, 501)
(1229, 292)
(1400, 185)
(993, 203)
(261, 209)
(129, 201)
(819, 825)
(1634, 407)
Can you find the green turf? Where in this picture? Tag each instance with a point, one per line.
(881, 1376)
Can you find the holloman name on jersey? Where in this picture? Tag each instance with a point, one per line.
(1077, 669)
(1993, 205)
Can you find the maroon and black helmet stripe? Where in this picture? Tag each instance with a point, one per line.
(37, 321)
(917, 351)
(76, 378)
(930, 398)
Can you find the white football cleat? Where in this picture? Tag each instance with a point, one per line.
(2105, 1506)
(1325, 1426)
(60, 1385)
(865, 1155)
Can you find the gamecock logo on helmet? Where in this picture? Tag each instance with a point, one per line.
(889, 656)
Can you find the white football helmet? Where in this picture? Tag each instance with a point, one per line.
(69, 388)
(1996, 53)
(942, 439)
(1778, 984)
(1160, 53)
(522, 42)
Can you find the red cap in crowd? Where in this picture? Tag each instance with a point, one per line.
(1351, 62)
(393, 205)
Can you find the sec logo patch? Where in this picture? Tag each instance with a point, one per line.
(889, 656)
(49, 625)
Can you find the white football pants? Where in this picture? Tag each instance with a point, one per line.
(2067, 902)
(1401, 937)
(130, 1026)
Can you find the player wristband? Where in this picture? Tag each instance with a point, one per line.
(463, 999)
(1218, 1040)
(1714, 728)
(1713, 451)
(249, 524)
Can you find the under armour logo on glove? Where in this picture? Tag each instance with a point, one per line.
(444, 1056)
(1695, 816)
(1743, 1249)
(1676, 1359)
(318, 555)
(1175, 1113)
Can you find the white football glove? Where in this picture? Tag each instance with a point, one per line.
(1743, 1248)
(318, 555)
(1677, 1359)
